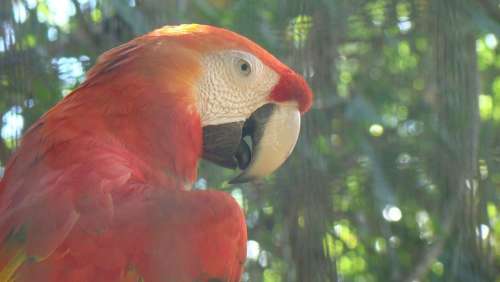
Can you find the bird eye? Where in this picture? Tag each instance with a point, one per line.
(244, 67)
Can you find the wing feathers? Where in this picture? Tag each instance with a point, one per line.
(98, 220)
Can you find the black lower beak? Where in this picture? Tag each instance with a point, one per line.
(222, 142)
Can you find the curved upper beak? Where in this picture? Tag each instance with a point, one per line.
(259, 145)
(273, 130)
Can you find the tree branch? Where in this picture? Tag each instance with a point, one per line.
(490, 9)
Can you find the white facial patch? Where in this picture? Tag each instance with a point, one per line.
(232, 86)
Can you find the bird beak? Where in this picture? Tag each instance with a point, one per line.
(273, 131)
(257, 146)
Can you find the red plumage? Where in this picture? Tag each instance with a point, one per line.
(96, 191)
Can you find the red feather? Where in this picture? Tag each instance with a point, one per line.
(96, 191)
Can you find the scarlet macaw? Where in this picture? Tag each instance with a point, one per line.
(99, 189)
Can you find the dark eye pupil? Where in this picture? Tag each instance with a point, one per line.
(244, 67)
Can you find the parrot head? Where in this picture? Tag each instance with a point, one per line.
(250, 106)
(249, 103)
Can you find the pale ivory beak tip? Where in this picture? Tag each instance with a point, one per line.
(280, 135)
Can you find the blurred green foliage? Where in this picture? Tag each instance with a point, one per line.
(364, 197)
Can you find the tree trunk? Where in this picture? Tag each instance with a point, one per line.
(456, 80)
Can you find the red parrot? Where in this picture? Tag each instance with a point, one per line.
(99, 189)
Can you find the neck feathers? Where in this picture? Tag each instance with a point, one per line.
(137, 98)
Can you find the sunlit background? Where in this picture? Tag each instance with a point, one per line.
(397, 173)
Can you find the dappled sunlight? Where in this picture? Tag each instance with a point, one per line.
(9, 37)
(70, 71)
(19, 12)
(253, 250)
(12, 123)
(396, 171)
(424, 225)
(483, 231)
(404, 25)
(376, 130)
(56, 12)
(392, 213)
